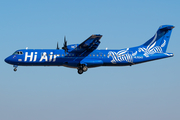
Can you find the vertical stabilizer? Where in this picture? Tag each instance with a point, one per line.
(161, 39)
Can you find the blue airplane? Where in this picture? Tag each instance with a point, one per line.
(83, 56)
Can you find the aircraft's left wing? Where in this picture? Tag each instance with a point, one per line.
(87, 46)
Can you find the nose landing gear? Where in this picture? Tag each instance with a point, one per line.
(15, 68)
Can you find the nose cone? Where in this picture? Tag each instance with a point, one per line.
(8, 60)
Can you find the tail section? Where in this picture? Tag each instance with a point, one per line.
(160, 40)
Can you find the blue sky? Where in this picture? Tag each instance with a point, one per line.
(145, 91)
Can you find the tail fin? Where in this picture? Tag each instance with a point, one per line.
(161, 38)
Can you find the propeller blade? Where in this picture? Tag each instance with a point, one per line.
(65, 42)
(65, 45)
(57, 46)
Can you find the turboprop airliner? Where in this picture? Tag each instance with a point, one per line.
(85, 55)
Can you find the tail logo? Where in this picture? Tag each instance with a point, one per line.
(163, 43)
(151, 48)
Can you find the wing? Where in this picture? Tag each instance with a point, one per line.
(86, 47)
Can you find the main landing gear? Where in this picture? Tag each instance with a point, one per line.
(15, 68)
(82, 68)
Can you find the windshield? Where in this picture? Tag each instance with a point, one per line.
(18, 53)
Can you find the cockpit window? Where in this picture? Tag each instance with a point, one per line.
(18, 53)
(15, 53)
(21, 52)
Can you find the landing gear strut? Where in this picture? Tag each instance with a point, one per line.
(82, 68)
(15, 68)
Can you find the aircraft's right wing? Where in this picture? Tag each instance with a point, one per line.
(87, 46)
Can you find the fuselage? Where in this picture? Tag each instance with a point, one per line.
(54, 57)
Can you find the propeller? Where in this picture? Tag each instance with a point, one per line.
(65, 45)
(57, 46)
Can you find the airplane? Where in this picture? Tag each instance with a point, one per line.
(83, 56)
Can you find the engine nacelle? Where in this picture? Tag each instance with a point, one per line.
(71, 47)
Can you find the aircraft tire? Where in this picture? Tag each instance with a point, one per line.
(15, 69)
(80, 71)
(85, 68)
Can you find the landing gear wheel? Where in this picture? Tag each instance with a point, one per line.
(80, 71)
(15, 69)
(85, 68)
